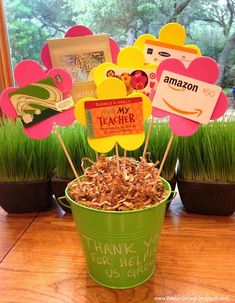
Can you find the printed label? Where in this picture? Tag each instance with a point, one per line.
(65, 104)
(186, 97)
(155, 52)
(112, 117)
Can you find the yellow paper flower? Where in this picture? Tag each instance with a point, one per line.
(109, 89)
(172, 35)
(132, 71)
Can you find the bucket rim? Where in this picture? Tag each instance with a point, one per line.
(165, 184)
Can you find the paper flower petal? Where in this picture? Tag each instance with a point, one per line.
(221, 106)
(182, 127)
(204, 69)
(28, 71)
(130, 57)
(6, 105)
(78, 31)
(111, 89)
(159, 113)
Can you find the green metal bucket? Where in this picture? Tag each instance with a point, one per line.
(120, 247)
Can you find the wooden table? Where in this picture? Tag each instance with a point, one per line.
(42, 261)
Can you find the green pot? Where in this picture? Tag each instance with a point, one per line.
(120, 247)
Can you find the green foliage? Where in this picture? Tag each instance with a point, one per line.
(22, 158)
(209, 154)
(31, 23)
(75, 140)
(228, 91)
(208, 23)
(208, 37)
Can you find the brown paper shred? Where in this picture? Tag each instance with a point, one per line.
(106, 188)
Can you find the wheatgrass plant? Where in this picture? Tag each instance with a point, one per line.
(208, 155)
(75, 140)
(23, 158)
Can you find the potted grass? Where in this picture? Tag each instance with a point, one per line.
(75, 140)
(25, 168)
(206, 174)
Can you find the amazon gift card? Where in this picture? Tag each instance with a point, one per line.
(186, 97)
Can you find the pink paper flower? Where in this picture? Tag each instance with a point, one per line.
(77, 31)
(204, 69)
(27, 72)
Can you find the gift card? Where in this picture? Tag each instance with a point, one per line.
(135, 80)
(79, 56)
(39, 101)
(105, 118)
(186, 97)
(156, 51)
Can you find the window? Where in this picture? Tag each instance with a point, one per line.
(209, 24)
(5, 65)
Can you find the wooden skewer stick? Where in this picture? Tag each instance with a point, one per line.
(97, 156)
(124, 167)
(67, 155)
(147, 138)
(165, 155)
(117, 155)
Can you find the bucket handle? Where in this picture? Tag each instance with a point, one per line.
(173, 197)
(60, 200)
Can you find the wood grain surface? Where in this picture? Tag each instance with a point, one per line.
(195, 261)
(11, 229)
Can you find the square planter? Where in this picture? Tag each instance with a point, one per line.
(23, 197)
(207, 198)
